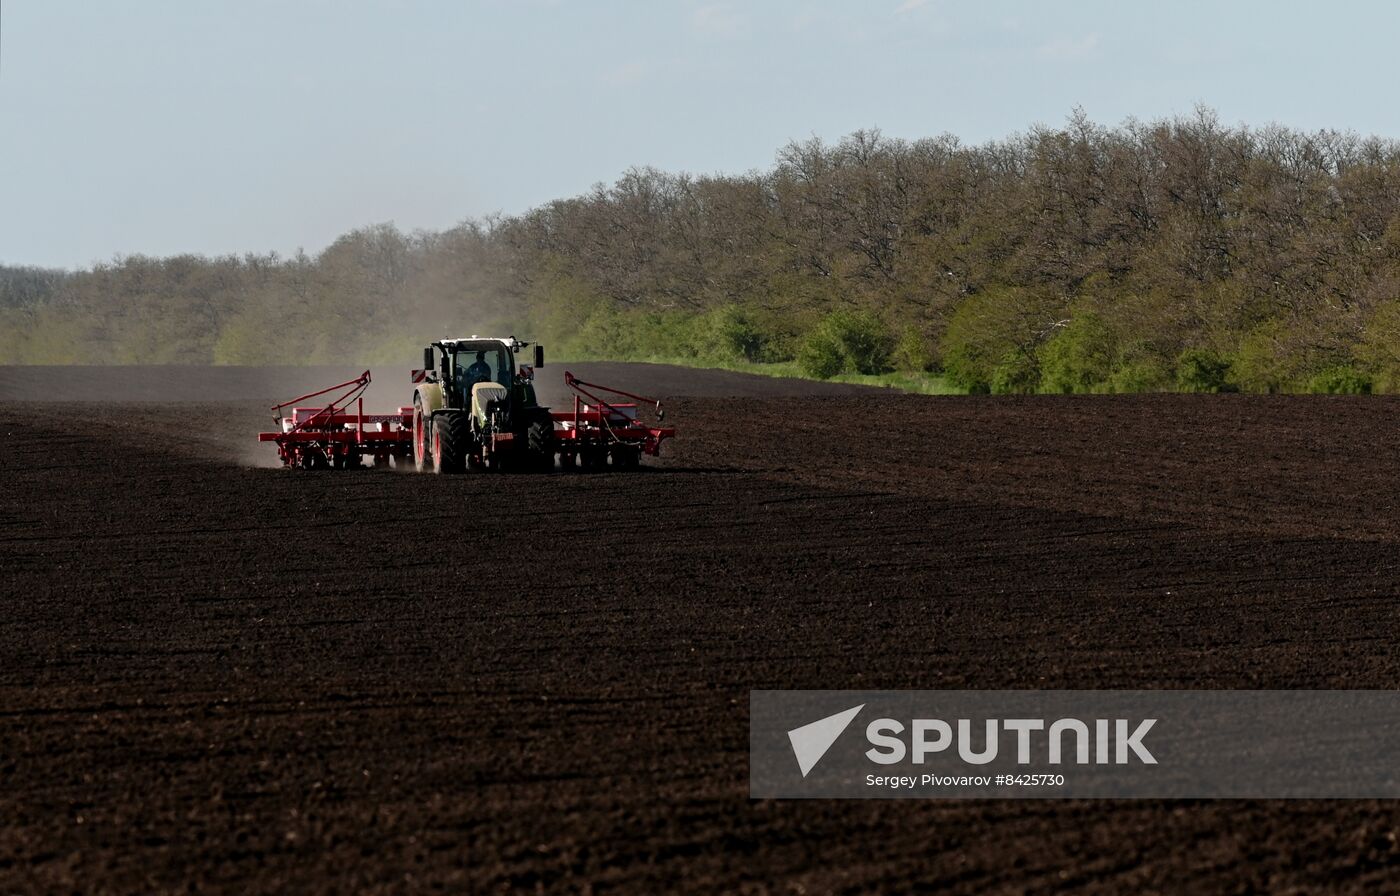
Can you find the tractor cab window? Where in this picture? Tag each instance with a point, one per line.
(488, 364)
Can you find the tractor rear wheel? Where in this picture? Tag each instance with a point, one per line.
(451, 443)
(420, 436)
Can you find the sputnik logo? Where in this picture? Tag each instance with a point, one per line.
(811, 741)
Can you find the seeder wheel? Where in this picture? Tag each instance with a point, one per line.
(625, 457)
(591, 460)
(313, 459)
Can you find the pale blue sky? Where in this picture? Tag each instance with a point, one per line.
(214, 126)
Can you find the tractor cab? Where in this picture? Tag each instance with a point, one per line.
(476, 371)
(482, 363)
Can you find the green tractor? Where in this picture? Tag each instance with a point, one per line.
(474, 408)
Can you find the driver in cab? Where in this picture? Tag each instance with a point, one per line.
(478, 372)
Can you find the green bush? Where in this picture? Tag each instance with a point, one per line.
(1146, 375)
(974, 342)
(1017, 374)
(604, 333)
(728, 333)
(990, 336)
(779, 346)
(607, 333)
(864, 340)
(846, 342)
(965, 368)
(911, 352)
(667, 334)
(1341, 380)
(820, 355)
(1201, 370)
(1378, 351)
(1079, 358)
(1264, 361)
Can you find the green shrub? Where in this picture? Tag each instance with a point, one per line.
(846, 342)
(604, 333)
(911, 352)
(665, 334)
(1146, 375)
(1202, 370)
(1017, 374)
(864, 340)
(779, 346)
(728, 334)
(1341, 380)
(1079, 358)
(820, 355)
(1378, 351)
(975, 341)
(991, 335)
(1264, 362)
(608, 333)
(966, 368)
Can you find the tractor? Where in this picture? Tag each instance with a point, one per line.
(474, 408)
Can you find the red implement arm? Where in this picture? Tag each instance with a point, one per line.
(354, 389)
(579, 385)
(608, 423)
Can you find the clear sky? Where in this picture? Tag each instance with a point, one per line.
(216, 126)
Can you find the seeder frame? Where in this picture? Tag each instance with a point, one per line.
(331, 436)
(592, 434)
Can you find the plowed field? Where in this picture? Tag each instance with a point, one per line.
(222, 676)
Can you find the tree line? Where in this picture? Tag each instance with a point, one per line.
(1178, 254)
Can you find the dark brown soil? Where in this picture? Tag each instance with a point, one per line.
(221, 677)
